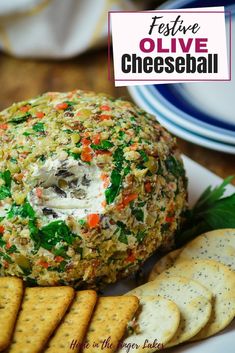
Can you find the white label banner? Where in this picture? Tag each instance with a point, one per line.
(154, 47)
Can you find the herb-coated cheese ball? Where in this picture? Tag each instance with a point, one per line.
(90, 187)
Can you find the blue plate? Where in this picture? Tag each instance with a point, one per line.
(180, 100)
(143, 101)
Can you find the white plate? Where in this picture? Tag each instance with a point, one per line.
(146, 102)
(199, 179)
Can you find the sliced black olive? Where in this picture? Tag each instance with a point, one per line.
(49, 212)
(59, 191)
(73, 183)
(85, 181)
(64, 173)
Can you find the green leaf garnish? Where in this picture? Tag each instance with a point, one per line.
(211, 211)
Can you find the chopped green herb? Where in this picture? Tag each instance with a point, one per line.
(124, 232)
(31, 282)
(42, 158)
(118, 157)
(54, 233)
(82, 222)
(70, 103)
(6, 257)
(23, 211)
(68, 131)
(20, 119)
(5, 190)
(114, 188)
(121, 135)
(140, 235)
(74, 155)
(59, 268)
(6, 176)
(13, 160)
(141, 204)
(103, 145)
(174, 166)
(38, 127)
(80, 251)
(137, 129)
(26, 271)
(165, 227)
(2, 242)
(26, 133)
(127, 170)
(138, 213)
(12, 249)
(144, 156)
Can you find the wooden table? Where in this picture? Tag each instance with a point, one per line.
(21, 79)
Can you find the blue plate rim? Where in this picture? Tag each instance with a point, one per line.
(217, 143)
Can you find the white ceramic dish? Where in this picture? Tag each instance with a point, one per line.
(199, 179)
(144, 100)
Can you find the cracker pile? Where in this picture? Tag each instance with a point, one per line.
(190, 296)
(210, 261)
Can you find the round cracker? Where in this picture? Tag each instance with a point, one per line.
(192, 299)
(164, 263)
(220, 280)
(217, 245)
(158, 321)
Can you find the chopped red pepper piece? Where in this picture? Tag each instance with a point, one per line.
(170, 219)
(39, 192)
(85, 142)
(148, 187)
(86, 154)
(131, 257)
(3, 126)
(40, 115)
(93, 220)
(8, 245)
(59, 259)
(105, 107)
(105, 117)
(61, 106)
(43, 264)
(126, 200)
(96, 139)
(25, 108)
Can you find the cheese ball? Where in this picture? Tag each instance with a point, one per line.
(90, 187)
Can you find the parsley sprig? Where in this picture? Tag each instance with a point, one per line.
(211, 211)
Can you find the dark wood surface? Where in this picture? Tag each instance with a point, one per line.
(21, 79)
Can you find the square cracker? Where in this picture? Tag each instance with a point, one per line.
(42, 310)
(70, 334)
(11, 293)
(110, 319)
